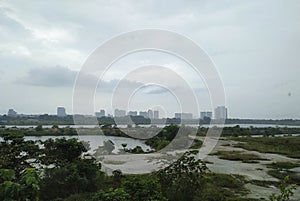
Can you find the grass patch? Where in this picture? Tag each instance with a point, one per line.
(111, 162)
(283, 165)
(264, 183)
(238, 156)
(196, 144)
(282, 169)
(280, 174)
(288, 146)
(223, 187)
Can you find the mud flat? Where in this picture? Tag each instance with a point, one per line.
(254, 172)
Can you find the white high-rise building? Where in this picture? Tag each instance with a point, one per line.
(221, 112)
(61, 112)
(120, 113)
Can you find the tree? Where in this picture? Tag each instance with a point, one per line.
(39, 128)
(124, 145)
(182, 179)
(15, 153)
(118, 194)
(25, 188)
(55, 126)
(62, 150)
(117, 178)
(146, 188)
(69, 173)
(286, 191)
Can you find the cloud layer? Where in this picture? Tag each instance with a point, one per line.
(255, 45)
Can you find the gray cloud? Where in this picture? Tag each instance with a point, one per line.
(59, 76)
(49, 77)
(249, 50)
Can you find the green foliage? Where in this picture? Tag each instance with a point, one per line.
(283, 165)
(196, 144)
(117, 178)
(182, 179)
(280, 145)
(39, 128)
(112, 130)
(55, 126)
(62, 150)
(294, 177)
(238, 156)
(163, 138)
(70, 174)
(136, 150)
(118, 194)
(15, 153)
(40, 131)
(146, 188)
(24, 188)
(286, 191)
(265, 131)
(71, 178)
(66, 174)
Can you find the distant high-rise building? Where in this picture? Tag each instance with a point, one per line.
(61, 112)
(100, 114)
(186, 116)
(178, 115)
(150, 114)
(221, 112)
(132, 113)
(156, 114)
(120, 113)
(11, 113)
(205, 114)
(144, 114)
(183, 115)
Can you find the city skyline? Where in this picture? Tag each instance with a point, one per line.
(148, 113)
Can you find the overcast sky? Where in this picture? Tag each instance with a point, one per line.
(254, 44)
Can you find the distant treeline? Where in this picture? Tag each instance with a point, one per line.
(138, 120)
(114, 130)
(264, 131)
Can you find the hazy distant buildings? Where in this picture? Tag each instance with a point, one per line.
(183, 115)
(143, 114)
(132, 113)
(61, 112)
(205, 115)
(155, 114)
(221, 112)
(178, 115)
(150, 114)
(100, 114)
(11, 113)
(120, 113)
